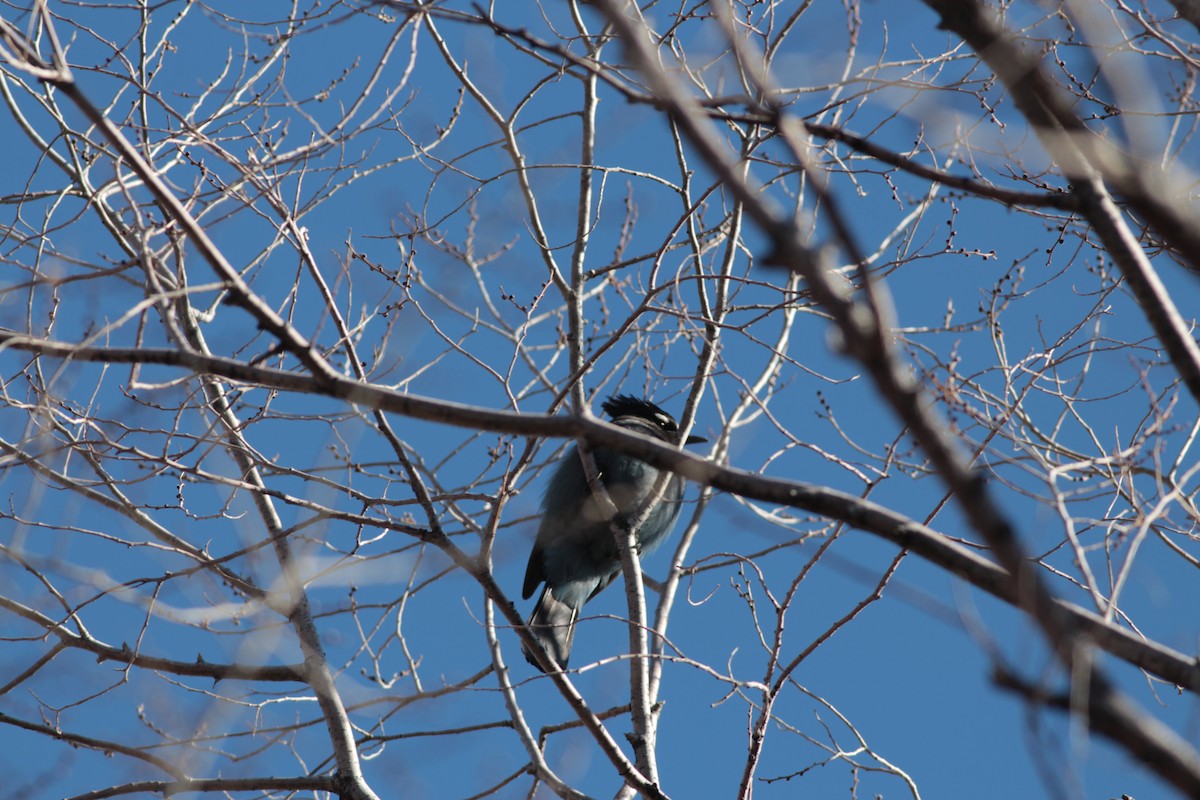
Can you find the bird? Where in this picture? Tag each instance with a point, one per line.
(575, 554)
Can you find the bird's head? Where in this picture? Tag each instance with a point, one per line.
(626, 409)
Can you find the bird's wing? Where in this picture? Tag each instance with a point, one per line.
(564, 493)
(604, 582)
(535, 573)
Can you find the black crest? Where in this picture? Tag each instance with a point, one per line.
(626, 405)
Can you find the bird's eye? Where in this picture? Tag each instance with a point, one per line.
(665, 422)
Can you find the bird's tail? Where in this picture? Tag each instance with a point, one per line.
(552, 623)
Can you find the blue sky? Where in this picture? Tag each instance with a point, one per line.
(912, 672)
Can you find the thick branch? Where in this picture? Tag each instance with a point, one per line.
(1156, 659)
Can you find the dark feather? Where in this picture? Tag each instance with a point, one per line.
(575, 553)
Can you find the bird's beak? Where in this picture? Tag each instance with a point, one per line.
(695, 440)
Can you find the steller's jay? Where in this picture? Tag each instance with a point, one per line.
(576, 552)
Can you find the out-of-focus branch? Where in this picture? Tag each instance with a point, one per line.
(316, 667)
(1078, 151)
(22, 55)
(718, 108)
(1090, 163)
(866, 337)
